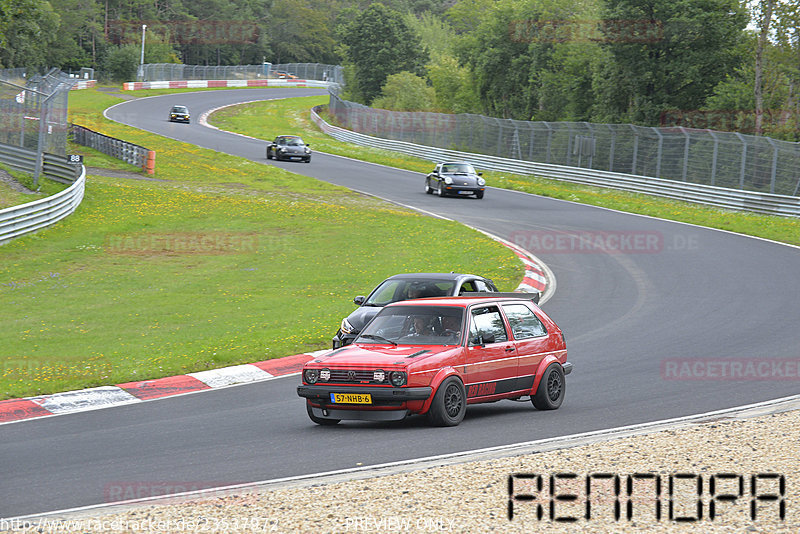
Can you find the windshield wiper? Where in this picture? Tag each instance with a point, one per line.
(373, 336)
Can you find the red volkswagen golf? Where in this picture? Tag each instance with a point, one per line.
(435, 356)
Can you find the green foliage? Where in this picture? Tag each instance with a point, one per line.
(121, 62)
(377, 44)
(405, 91)
(27, 31)
(689, 50)
(453, 86)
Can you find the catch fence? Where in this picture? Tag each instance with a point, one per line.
(719, 159)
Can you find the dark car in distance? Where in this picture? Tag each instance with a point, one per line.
(403, 287)
(457, 178)
(179, 114)
(288, 147)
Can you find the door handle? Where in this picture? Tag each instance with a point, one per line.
(509, 349)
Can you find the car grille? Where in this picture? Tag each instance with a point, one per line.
(352, 376)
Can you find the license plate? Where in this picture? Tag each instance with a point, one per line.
(465, 192)
(351, 398)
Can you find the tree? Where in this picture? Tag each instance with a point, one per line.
(405, 91)
(689, 47)
(27, 30)
(765, 8)
(377, 43)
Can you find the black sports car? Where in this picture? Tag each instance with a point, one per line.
(455, 178)
(403, 287)
(179, 114)
(289, 147)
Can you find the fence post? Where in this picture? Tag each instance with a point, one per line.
(744, 159)
(774, 164)
(635, 148)
(714, 156)
(613, 146)
(685, 153)
(660, 152)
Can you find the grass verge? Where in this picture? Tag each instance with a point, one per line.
(262, 120)
(227, 261)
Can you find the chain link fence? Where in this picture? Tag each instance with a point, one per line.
(175, 71)
(33, 112)
(722, 159)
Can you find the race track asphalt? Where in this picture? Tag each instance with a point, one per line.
(692, 294)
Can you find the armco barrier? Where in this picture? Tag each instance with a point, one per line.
(200, 84)
(23, 159)
(20, 220)
(136, 155)
(699, 193)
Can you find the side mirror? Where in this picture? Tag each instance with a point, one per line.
(359, 300)
(308, 145)
(536, 297)
(482, 340)
(480, 174)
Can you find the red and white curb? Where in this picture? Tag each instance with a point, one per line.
(132, 392)
(201, 84)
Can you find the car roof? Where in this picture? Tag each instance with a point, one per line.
(463, 302)
(434, 276)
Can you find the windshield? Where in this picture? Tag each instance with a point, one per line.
(294, 141)
(180, 109)
(458, 168)
(394, 290)
(415, 325)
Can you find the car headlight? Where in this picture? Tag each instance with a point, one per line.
(398, 378)
(281, 149)
(311, 376)
(481, 181)
(308, 150)
(347, 328)
(448, 180)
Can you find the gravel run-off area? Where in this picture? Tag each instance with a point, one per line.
(474, 497)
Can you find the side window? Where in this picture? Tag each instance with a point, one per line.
(467, 287)
(487, 323)
(480, 285)
(524, 323)
(385, 293)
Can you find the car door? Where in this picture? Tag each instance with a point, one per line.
(531, 338)
(491, 358)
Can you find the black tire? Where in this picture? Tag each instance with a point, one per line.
(449, 404)
(479, 194)
(440, 190)
(428, 187)
(552, 388)
(269, 155)
(319, 420)
(308, 160)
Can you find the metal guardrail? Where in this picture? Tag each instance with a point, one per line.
(23, 159)
(26, 218)
(136, 155)
(721, 197)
